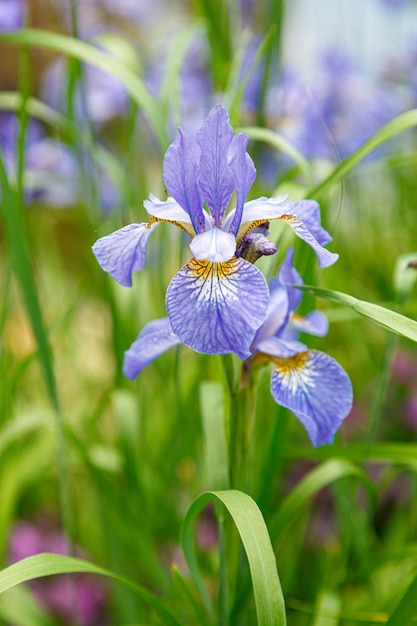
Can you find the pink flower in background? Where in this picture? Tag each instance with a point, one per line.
(79, 596)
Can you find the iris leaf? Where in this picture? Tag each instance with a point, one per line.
(52, 564)
(270, 608)
(395, 322)
(84, 51)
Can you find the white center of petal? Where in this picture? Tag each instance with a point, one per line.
(215, 245)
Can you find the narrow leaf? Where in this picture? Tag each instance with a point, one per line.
(395, 127)
(91, 54)
(269, 601)
(320, 477)
(213, 415)
(52, 564)
(395, 322)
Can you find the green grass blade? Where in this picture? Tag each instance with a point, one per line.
(395, 127)
(52, 564)
(280, 143)
(91, 54)
(406, 610)
(21, 264)
(320, 477)
(212, 404)
(269, 601)
(392, 321)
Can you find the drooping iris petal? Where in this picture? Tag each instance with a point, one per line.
(181, 171)
(266, 209)
(308, 211)
(169, 211)
(244, 174)
(215, 245)
(289, 276)
(316, 389)
(154, 339)
(123, 252)
(216, 179)
(216, 308)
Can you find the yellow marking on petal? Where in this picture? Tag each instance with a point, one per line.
(248, 226)
(287, 366)
(187, 227)
(204, 269)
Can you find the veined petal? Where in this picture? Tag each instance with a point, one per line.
(216, 308)
(215, 245)
(316, 389)
(123, 252)
(308, 211)
(244, 174)
(216, 179)
(265, 209)
(169, 211)
(154, 339)
(181, 171)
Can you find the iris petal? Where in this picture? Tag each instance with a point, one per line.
(169, 211)
(154, 339)
(216, 308)
(215, 245)
(216, 179)
(244, 174)
(123, 252)
(181, 172)
(264, 209)
(316, 389)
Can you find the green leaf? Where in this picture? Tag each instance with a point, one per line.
(212, 404)
(52, 564)
(84, 51)
(395, 127)
(406, 610)
(395, 322)
(23, 269)
(280, 143)
(269, 601)
(318, 478)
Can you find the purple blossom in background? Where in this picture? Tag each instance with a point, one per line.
(12, 14)
(103, 97)
(218, 300)
(62, 596)
(335, 113)
(308, 382)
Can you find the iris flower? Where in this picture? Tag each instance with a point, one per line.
(219, 299)
(308, 382)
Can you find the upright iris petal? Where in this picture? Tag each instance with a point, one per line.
(216, 179)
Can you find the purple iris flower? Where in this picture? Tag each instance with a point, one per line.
(308, 382)
(12, 14)
(219, 299)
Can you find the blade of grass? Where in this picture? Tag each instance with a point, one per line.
(392, 321)
(52, 564)
(395, 127)
(269, 601)
(90, 54)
